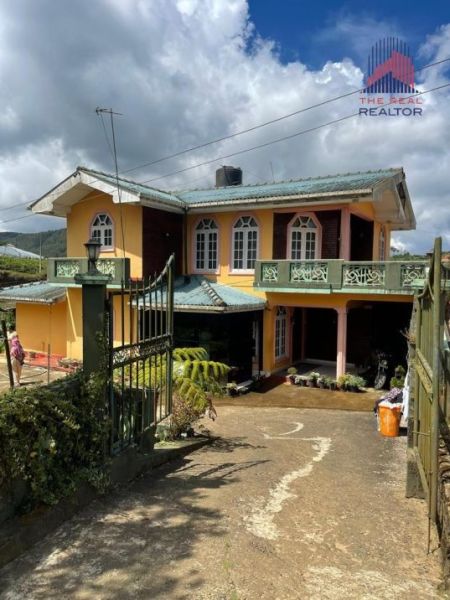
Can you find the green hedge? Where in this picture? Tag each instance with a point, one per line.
(54, 436)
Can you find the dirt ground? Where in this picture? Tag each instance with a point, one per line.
(31, 375)
(288, 504)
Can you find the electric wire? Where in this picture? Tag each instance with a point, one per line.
(330, 100)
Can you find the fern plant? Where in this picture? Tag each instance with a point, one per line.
(195, 380)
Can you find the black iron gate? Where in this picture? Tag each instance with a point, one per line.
(140, 340)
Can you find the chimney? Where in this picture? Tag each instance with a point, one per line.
(226, 176)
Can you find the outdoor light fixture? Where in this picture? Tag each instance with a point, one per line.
(93, 252)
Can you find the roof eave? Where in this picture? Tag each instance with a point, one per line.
(272, 201)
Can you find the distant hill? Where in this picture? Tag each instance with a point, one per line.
(53, 242)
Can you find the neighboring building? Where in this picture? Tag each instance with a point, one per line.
(11, 251)
(269, 274)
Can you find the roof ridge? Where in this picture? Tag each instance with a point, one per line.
(268, 183)
(207, 287)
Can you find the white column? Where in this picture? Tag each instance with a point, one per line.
(341, 356)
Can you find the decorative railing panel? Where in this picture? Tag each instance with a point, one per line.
(364, 275)
(269, 272)
(410, 274)
(67, 268)
(63, 270)
(308, 272)
(336, 275)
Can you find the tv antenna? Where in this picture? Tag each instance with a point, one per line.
(109, 111)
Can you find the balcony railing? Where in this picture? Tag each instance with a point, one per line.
(328, 276)
(63, 270)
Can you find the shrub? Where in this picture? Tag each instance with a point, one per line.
(54, 436)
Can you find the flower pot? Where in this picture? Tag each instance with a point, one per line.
(333, 386)
(311, 383)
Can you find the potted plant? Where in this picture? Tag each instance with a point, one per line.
(290, 377)
(301, 380)
(343, 381)
(355, 383)
(398, 381)
(312, 378)
(232, 389)
(332, 384)
(322, 382)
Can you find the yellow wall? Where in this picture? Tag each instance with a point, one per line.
(41, 325)
(74, 324)
(81, 216)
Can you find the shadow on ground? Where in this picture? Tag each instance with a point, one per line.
(131, 545)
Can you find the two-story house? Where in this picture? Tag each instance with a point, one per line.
(269, 274)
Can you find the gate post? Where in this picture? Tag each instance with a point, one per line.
(93, 314)
(93, 307)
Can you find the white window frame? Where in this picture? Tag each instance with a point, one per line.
(99, 231)
(245, 226)
(281, 333)
(304, 230)
(209, 230)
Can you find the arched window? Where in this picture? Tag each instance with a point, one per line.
(280, 332)
(206, 234)
(304, 238)
(102, 229)
(382, 244)
(245, 244)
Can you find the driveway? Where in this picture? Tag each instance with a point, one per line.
(288, 504)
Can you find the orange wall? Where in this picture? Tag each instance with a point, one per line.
(81, 216)
(41, 325)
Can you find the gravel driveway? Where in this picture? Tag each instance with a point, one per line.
(288, 504)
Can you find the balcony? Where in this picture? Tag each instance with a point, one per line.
(63, 270)
(340, 276)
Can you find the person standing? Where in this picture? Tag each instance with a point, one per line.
(17, 357)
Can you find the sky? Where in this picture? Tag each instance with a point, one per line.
(185, 72)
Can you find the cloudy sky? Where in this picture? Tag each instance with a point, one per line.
(184, 72)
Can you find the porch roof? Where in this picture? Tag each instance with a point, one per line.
(195, 293)
(36, 292)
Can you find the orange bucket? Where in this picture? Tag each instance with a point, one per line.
(389, 420)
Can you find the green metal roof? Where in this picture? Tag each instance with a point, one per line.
(195, 293)
(312, 186)
(39, 292)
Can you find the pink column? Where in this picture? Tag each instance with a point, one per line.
(345, 234)
(341, 357)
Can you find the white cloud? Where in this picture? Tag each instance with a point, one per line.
(183, 72)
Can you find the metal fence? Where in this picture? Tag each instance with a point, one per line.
(431, 385)
(140, 339)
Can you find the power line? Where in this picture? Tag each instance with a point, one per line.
(237, 133)
(282, 139)
(260, 125)
(330, 100)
